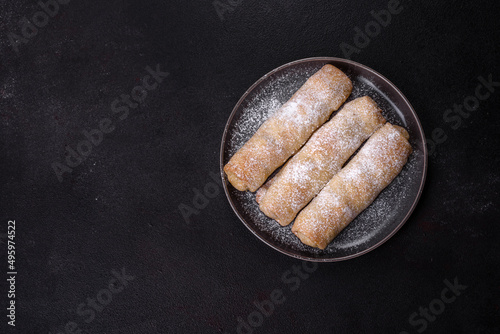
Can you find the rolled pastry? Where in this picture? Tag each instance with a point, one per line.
(319, 160)
(354, 188)
(282, 134)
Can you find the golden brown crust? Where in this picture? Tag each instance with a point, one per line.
(288, 129)
(354, 188)
(323, 156)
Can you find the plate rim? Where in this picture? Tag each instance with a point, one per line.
(324, 59)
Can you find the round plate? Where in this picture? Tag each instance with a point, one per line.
(391, 208)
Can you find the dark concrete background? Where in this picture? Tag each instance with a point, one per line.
(119, 207)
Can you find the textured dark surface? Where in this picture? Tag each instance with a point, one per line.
(119, 208)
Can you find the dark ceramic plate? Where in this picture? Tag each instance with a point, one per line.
(380, 220)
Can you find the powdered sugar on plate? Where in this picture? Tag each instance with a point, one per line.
(375, 223)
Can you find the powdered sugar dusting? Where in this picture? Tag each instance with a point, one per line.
(375, 222)
(386, 209)
(288, 128)
(263, 103)
(321, 158)
(356, 186)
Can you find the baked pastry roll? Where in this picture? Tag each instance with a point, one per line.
(282, 134)
(304, 175)
(354, 188)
